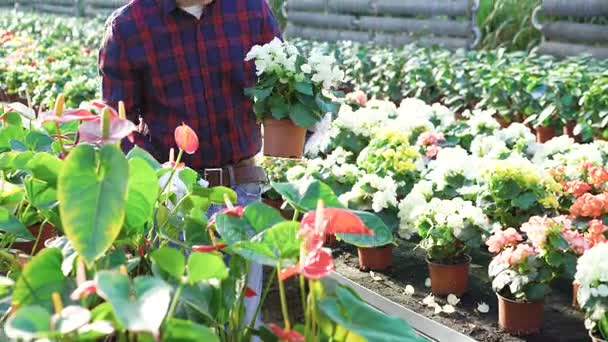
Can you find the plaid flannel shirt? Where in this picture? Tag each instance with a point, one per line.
(170, 67)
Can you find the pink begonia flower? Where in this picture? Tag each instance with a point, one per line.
(576, 241)
(536, 230)
(515, 255)
(589, 205)
(595, 233)
(358, 97)
(432, 151)
(502, 238)
(430, 138)
(577, 188)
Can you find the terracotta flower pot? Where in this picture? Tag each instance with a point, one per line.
(48, 232)
(282, 138)
(594, 337)
(449, 279)
(520, 318)
(376, 258)
(575, 287)
(544, 133)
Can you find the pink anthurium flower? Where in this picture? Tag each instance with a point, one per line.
(186, 139)
(86, 288)
(283, 335)
(69, 115)
(171, 163)
(106, 129)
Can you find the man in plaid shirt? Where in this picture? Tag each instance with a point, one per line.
(174, 61)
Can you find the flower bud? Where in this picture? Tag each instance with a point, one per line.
(105, 123)
(59, 105)
(186, 139)
(122, 112)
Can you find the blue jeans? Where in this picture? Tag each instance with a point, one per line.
(248, 193)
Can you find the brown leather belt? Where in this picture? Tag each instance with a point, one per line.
(241, 173)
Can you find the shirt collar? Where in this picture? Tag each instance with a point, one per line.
(169, 6)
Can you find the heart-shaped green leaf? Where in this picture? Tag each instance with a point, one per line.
(40, 278)
(140, 153)
(170, 260)
(382, 234)
(10, 224)
(183, 331)
(141, 308)
(205, 266)
(46, 167)
(28, 323)
(92, 192)
(277, 244)
(261, 216)
(304, 195)
(142, 192)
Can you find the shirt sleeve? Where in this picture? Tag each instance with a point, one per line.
(119, 78)
(270, 26)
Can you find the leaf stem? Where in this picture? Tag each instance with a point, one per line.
(176, 296)
(38, 237)
(296, 214)
(262, 299)
(283, 299)
(179, 158)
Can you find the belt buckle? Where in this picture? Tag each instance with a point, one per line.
(219, 171)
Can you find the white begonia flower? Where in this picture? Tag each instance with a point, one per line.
(602, 290)
(449, 309)
(483, 308)
(253, 53)
(306, 68)
(321, 137)
(409, 290)
(453, 300)
(295, 173)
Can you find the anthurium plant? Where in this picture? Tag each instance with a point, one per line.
(292, 86)
(137, 258)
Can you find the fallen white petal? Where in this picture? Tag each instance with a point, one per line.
(453, 300)
(483, 307)
(438, 308)
(448, 309)
(374, 276)
(429, 300)
(409, 290)
(427, 282)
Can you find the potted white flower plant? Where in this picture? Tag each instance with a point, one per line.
(291, 94)
(591, 272)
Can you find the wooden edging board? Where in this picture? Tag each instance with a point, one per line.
(424, 326)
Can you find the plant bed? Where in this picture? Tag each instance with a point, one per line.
(562, 322)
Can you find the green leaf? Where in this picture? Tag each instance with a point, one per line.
(170, 260)
(92, 192)
(305, 194)
(278, 107)
(303, 116)
(46, 167)
(40, 278)
(38, 142)
(537, 292)
(304, 87)
(143, 189)
(10, 224)
(524, 201)
(554, 258)
(177, 330)
(278, 243)
(382, 234)
(139, 308)
(359, 318)
(138, 152)
(232, 229)
(28, 323)
(205, 266)
(40, 194)
(261, 216)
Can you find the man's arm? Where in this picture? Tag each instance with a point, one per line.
(120, 81)
(270, 26)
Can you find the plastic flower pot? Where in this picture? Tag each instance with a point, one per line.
(520, 318)
(47, 233)
(575, 287)
(449, 279)
(595, 338)
(283, 139)
(544, 133)
(375, 258)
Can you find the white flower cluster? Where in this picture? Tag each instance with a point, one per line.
(451, 162)
(335, 166)
(563, 151)
(381, 190)
(364, 121)
(457, 214)
(278, 55)
(481, 121)
(273, 56)
(592, 276)
(415, 114)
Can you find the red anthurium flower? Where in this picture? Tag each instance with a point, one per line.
(236, 212)
(289, 272)
(338, 221)
(118, 129)
(249, 292)
(289, 336)
(186, 139)
(86, 288)
(317, 264)
(207, 249)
